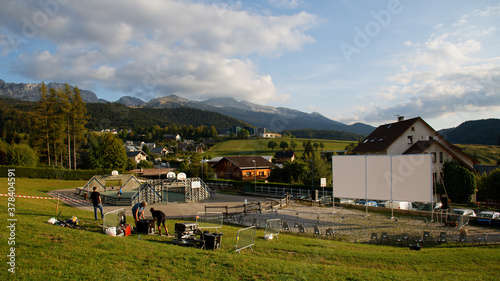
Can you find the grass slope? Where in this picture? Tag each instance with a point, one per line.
(485, 154)
(258, 146)
(48, 252)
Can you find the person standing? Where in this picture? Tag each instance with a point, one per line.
(120, 194)
(95, 197)
(160, 219)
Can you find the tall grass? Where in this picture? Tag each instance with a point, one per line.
(49, 252)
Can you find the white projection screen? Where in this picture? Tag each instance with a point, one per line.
(350, 171)
(379, 179)
(383, 177)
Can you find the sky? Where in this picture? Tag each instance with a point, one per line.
(349, 60)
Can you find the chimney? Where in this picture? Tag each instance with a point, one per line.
(401, 118)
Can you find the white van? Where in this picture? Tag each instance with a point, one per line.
(403, 205)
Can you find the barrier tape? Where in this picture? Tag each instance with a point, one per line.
(37, 197)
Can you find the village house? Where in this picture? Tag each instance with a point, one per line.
(160, 151)
(283, 156)
(246, 168)
(172, 137)
(137, 156)
(413, 136)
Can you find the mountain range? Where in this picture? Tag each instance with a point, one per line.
(274, 119)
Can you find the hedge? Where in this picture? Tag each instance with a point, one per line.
(50, 173)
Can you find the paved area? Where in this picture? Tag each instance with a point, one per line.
(347, 224)
(176, 210)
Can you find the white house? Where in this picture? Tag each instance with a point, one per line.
(413, 136)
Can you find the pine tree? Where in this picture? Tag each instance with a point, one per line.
(78, 120)
(41, 128)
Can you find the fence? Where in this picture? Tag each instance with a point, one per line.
(209, 220)
(298, 193)
(247, 208)
(273, 227)
(113, 219)
(245, 238)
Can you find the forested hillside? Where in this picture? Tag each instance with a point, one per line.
(115, 115)
(485, 131)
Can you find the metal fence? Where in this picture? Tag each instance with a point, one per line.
(245, 238)
(208, 220)
(273, 227)
(113, 219)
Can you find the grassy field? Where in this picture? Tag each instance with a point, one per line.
(259, 146)
(485, 154)
(49, 252)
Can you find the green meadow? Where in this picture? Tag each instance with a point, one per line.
(258, 146)
(49, 252)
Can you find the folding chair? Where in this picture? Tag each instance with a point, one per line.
(374, 237)
(462, 239)
(285, 226)
(384, 236)
(405, 237)
(316, 230)
(398, 239)
(301, 228)
(329, 232)
(483, 239)
(442, 237)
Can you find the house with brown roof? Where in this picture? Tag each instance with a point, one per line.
(413, 136)
(284, 156)
(246, 168)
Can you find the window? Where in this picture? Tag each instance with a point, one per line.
(440, 157)
(413, 128)
(248, 174)
(410, 139)
(431, 138)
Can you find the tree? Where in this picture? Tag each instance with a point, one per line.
(308, 149)
(283, 145)
(322, 145)
(243, 134)
(489, 186)
(106, 152)
(316, 145)
(21, 155)
(41, 128)
(293, 144)
(79, 119)
(460, 183)
(272, 144)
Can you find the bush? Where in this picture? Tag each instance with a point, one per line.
(50, 173)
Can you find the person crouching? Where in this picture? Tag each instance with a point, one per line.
(160, 219)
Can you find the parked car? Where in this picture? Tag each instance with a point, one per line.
(427, 206)
(464, 212)
(489, 215)
(369, 203)
(488, 218)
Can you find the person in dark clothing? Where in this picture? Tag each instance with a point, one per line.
(95, 197)
(160, 219)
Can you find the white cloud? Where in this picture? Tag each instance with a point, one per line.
(157, 47)
(287, 4)
(450, 74)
